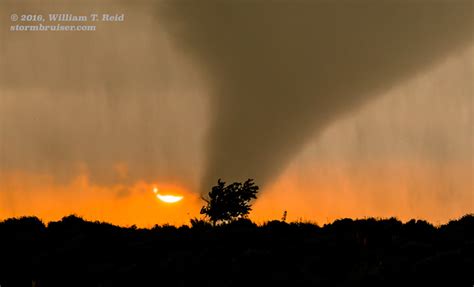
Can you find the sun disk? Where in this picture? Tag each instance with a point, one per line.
(169, 198)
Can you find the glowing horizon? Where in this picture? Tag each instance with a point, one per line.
(318, 198)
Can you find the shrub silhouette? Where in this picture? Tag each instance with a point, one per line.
(200, 224)
(226, 203)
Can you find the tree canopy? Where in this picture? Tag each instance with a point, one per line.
(226, 203)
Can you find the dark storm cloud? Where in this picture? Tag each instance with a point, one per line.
(283, 70)
(278, 71)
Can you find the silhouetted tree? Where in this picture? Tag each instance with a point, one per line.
(229, 202)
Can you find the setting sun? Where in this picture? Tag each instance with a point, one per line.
(169, 198)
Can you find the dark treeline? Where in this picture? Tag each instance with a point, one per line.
(366, 252)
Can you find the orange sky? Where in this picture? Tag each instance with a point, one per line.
(41, 196)
(319, 194)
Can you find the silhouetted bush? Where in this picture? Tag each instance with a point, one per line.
(200, 224)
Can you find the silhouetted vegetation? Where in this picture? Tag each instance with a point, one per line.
(366, 252)
(226, 203)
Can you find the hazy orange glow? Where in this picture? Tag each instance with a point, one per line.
(319, 194)
(39, 195)
(402, 189)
